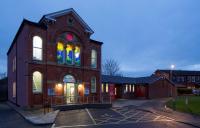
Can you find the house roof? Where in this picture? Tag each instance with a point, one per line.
(95, 41)
(181, 72)
(24, 22)
(52, 16)
(129, 80)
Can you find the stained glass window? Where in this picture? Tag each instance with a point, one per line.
(37, 82)
(69, 51)
(77, 55)
(60, 53)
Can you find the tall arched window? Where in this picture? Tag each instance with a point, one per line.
(60, 52)
(93, 58)
(37, 48)
(68, 47)
(37, 82)
(93, 84)
(77, 55)
(69, 54)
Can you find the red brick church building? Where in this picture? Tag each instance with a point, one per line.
(54, 56)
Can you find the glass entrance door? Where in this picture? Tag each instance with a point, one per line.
(70, 92)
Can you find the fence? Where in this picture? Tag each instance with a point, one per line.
(64, 100)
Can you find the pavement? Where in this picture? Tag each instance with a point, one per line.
(9, 118)
(36, 116)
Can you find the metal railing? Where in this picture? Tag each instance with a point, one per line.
(67, 100)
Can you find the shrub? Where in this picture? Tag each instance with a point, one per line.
(184, 91)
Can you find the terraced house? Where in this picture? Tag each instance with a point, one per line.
(55, 56)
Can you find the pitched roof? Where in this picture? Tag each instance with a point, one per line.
(181, 72)
(24, 22)
(52, 16)
(129, 80)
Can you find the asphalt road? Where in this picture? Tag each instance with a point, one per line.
(126, 117)
(9, 118)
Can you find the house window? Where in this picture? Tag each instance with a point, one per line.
(106, 88)
(129, 88)
(93, 84)
(126, 90)
(133, 88)
(37, 82)
(14, 90)
(93, 58)
(115, 91)
(189, 78)
(193, 78)
(37, 48)
(60, 52)
(102, 88)
(14, 64)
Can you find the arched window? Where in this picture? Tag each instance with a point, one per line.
(37, 48)
(69, 54)
(93, 85)
(69, 49)
(60, 52)
(77, 55)
(37, 82)
(93, 58)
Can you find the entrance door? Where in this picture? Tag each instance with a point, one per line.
(70, 91)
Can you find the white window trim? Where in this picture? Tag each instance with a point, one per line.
(37, 48)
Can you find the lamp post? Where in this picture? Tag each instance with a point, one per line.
(171, 78)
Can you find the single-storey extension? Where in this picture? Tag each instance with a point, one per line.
(142, 87)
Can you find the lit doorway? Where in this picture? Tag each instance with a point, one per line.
(70, 89)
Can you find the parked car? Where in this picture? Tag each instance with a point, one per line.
(196, 92)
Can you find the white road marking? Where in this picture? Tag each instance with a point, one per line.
(142, 117)
(90, 116)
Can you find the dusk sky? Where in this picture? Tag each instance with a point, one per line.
(142, 35)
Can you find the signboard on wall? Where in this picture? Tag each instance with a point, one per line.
(87, 91)
(51, 92)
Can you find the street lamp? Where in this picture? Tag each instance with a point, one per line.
(171, 78)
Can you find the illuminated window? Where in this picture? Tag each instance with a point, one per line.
(93, 58)
(126, 88)
(107, 88)
(37, 82)
(60, 53)
(14, 64)
(69, 54)
(133, 89)
(37, 48)
(129, 88)
(68, 49)
(102, 88)
(115, 91)
(14, 90)
(93, 84)
(77, 55)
